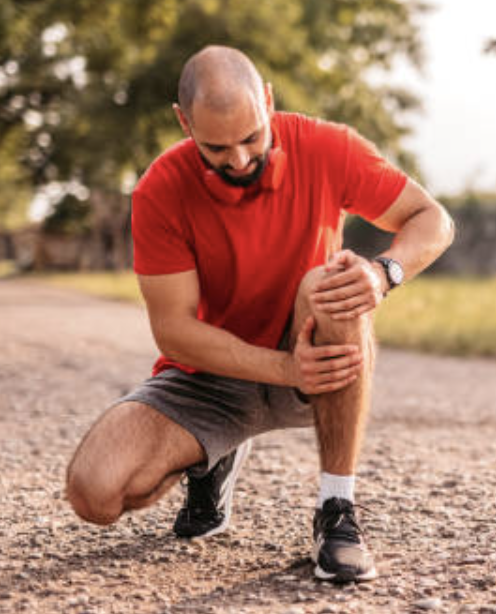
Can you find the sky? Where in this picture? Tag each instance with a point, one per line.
(455, 134)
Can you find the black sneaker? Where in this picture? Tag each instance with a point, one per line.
(340, 552)
(207, 509)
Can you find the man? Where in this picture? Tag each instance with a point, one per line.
(262, 320)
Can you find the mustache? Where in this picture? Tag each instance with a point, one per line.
(228, 167)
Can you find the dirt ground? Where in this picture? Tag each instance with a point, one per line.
(427, 477)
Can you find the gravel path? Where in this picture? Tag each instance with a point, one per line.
(427, 476)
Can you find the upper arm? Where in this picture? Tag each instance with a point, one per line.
(412, 200)
(174, 295)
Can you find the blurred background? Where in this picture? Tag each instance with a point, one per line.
(86, 89)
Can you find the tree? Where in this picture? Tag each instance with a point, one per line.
(86, 86)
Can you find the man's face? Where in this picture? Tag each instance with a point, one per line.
(235, 144)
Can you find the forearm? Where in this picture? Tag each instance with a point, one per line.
(421, 240)
(208, 348)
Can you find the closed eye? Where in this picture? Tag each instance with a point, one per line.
(252, 138)
(216, 148)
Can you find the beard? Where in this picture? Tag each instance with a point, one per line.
(243, 181)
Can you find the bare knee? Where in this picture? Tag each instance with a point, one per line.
(92, 479)
(90, 496)
(357, 330)
(126, 460)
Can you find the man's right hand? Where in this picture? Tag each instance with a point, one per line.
(324, 368)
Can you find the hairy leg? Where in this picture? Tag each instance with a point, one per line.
(130, 457)
(339, 416)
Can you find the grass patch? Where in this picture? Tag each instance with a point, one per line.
(7, 268)
(116, 285)
(441, 315)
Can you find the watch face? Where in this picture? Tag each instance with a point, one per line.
(395, 273)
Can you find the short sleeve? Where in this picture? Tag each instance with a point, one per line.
(159, 241)
(372, 183)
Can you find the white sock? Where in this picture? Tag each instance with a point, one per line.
(342, 486)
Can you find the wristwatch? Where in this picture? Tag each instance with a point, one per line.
(393, 270)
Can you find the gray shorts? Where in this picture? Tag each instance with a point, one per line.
(221, 412)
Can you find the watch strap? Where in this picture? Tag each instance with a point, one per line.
(386, 265)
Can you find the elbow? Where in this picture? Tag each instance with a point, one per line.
(448, 229)
(452, 230)
(170, 336)
(171, 349)
(442, 225)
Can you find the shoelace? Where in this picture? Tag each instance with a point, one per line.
(342, 522)
(200, 497)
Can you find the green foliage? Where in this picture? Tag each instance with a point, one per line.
(16, 191)
(70, 216)
(86, 86)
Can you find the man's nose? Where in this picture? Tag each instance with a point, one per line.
(239, 158)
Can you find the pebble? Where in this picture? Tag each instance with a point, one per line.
(364, 588)
(433, 603)
(434, 552)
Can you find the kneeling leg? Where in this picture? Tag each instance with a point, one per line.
(128, 460)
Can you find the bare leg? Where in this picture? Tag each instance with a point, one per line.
(128, 460)
(339, 416)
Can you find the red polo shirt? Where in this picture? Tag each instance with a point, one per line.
(251, 246)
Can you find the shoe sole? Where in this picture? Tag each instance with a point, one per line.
(343, 577)
(241, 455)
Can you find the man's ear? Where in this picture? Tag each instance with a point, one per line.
(269, 99)
(181, 118)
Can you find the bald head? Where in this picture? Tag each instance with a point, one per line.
(219, 78)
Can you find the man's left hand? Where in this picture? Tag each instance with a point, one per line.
(350, 286)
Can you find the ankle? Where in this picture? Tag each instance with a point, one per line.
(339, 486)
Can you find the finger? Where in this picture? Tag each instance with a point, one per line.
(335, 375)
(351, 314)
(341, 259)
(305, 334)
(335, 365)
(338, 280)
(333, 386)
(359, 297)
(330, 366)
(333, 266)
(322, 373)
(331, 351)
(336, 294)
